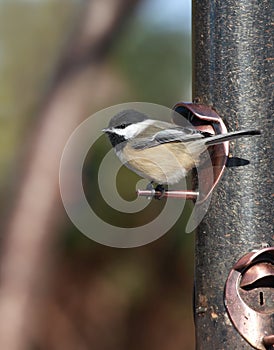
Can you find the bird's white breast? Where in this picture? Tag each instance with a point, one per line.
(162, 164)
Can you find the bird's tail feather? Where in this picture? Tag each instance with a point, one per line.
(213, 140)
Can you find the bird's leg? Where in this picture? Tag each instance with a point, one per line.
(160, 188)
(150, 186)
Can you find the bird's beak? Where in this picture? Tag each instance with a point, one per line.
(106, 130)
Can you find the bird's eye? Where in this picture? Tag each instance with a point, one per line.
(122, 126)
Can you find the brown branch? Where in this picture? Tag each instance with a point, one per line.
(32, 222)
(93, 39)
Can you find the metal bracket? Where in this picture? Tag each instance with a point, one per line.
(249, 298)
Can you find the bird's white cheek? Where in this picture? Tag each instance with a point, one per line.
(133, 130)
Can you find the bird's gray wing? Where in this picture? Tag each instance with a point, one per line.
(175, 134)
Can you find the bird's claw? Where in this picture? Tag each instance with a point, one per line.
(158, 192)
(150, 186)
(161, 189)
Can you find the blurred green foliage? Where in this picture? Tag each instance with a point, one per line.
(32, 36)
(155, 66)
(157, 63)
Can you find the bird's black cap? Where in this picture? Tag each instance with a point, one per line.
(126, 117)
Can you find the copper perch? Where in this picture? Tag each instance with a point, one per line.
(171, 194)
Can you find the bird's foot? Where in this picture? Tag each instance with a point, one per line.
(158, 192)
(161, 189)
(150, 186)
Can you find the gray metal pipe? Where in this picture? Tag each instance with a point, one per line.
(232, 71)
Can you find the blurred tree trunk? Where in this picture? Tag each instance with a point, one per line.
(32, 223)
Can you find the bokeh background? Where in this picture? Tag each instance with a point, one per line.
(84, 295)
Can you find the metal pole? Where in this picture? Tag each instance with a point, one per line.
(232, 46)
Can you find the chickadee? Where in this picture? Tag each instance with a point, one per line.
(159, 151)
